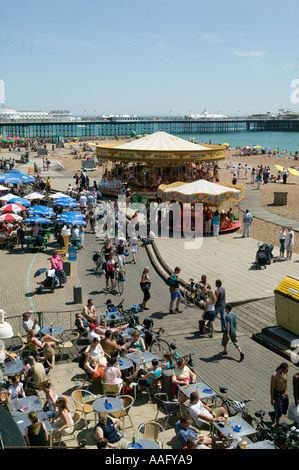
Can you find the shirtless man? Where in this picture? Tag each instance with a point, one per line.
(278, 391)
(90, 312)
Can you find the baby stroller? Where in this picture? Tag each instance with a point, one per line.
(50, 282)
(263, 255)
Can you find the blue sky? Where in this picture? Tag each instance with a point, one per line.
(149, 57)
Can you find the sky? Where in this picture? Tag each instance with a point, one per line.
(150, 57)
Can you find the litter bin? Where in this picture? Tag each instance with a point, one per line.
(287, 304)
(166, 383)
(77, 294)
(280, 199)
(67, 267)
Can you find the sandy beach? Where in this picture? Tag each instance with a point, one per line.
(260, 230)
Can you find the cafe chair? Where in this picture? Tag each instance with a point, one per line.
(17, 349)
(128, 402)
(111, 389)
(68, 341)
(121, 434)
(82, 405)
(152, 431)
(153, 386)
(11, 242)
(166, 407)
(69, 432)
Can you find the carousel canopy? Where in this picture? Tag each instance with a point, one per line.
(161, 147)
(201, 191)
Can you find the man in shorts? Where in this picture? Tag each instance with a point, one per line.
(278, 391)
(175, 293)
(230, 332)
(109, 270)
(202, 413)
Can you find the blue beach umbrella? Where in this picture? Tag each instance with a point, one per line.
(39, 220)
(42, 210)
(19, 200)
(10, 179)
(66, 203)
(40, 271)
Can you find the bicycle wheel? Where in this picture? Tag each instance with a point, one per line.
(159, 347)
(120, 286)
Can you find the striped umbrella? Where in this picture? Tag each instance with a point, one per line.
(13, 208)
(10, 217)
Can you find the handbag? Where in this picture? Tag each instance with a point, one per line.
(145, 286)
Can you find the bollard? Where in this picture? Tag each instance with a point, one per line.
(77, 294)
(67, 267)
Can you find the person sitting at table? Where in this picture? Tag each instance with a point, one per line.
(36, 373)
(35, 229)
(101, 327)
(64, 423)
(36, 434)
(91, 333)
(96, 352)
(16, 389)
(167, 361)
(49, 357)
(90, 312)
(4, 354)
(29, 323)
(93, 373)
(145, 377)
(81, 323)
(41, 343)
(109, 345)
(112, 372)
(202, 413)
(106, 428)
(184, 431)
(50, 406)
(38, 243)
(182, 374)
(136, 343)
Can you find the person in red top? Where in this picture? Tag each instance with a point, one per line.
(109, 268)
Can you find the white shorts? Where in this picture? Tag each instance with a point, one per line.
(120, 260)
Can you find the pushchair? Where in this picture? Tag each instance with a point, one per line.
(50, 282)
(263, 255)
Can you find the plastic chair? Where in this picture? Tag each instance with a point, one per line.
(69, 341)
(154, 385)
(166, 407)
(111, 389)
(151, 430)
(83, 406)
(128, 402)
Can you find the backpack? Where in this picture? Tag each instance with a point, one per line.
(172, 281)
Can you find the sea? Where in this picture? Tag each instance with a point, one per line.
(280, 141)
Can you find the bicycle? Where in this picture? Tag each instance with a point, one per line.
(193, 294)
(233, 407)
(98, 259)
(119, 281)
(153, 341)
(283, 436)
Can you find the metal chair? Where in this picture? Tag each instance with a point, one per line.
(151, 430)
(166, 407)
(79, 397)
(69, 341)
(128, 402)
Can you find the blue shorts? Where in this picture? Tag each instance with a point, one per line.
(175, 295)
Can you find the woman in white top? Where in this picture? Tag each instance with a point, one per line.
(112, 373)
(209, 310)
(65, 423)
(282, 239)
(16, 389)
(96, 352)
(50, 406)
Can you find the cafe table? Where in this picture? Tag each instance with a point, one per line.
(127, 333)
(13, 367)
(144, 443)
(100, 404)
(111, 316)
(141, 357)
(56, 330)
(229, 430)
(22, 406)
(261, 445)
(124, 363)
(204, 391)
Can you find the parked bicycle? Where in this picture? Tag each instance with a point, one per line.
(98, 259)
(284, 436)
(234, 407)
(193, 294)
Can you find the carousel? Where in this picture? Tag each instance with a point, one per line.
(160, 158)
(219, 197)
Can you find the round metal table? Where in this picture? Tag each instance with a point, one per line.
(125, 363)
(56, 330)
(99, 404)
(145, 444)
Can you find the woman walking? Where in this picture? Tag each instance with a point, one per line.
(216, 223)
(145, 285)
(209, 311)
